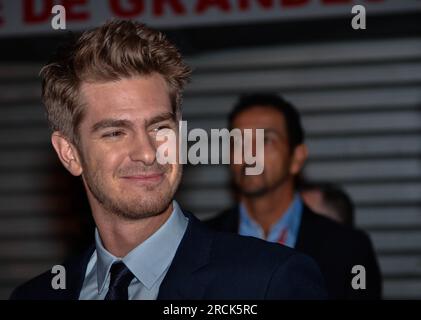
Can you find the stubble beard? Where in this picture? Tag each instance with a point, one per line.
(262, 190)
(154, 201)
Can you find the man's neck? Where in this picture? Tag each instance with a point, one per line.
(267, 209)
(120, 236)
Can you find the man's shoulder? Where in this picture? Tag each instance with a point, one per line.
(246, 244)
(244, 247)
(325, 239)
(230, 245)
(38, 288)
(229, 219)
(234, 250)
(226, 220)
(41, 287)
(330, 229)
(337, 249)
(281, 272)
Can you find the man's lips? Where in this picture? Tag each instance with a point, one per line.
(145, 177)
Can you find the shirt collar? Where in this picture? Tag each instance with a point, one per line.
(290, 220)
(150, 259)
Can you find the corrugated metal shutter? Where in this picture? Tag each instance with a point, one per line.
(37, 212)
(361, 107)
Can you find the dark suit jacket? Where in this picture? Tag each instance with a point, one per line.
(334, 247)
(209, 265)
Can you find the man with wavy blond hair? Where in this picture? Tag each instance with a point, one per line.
(108, 96)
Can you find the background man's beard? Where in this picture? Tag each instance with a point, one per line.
(254, 193)
(156, 202)
(263, 190)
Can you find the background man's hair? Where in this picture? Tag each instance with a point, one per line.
(294, 128)
(118, 49)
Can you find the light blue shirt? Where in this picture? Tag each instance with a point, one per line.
(149, 261)
(290, 222)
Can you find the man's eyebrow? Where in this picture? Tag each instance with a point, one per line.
(111, 123)
(121, 123)
(161, 117)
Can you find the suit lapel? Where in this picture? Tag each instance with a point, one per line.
(183, 280)
(307, 234)
(186, 278)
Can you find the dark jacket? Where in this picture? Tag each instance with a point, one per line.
(334, 247)
(209, 265)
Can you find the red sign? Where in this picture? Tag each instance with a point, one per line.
(34, 16)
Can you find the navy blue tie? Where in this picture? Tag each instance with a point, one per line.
(121, 277)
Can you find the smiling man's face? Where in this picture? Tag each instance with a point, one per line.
(118, 146)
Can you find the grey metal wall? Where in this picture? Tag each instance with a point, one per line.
(361, 107)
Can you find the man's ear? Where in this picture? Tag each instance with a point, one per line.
(298, 159)
(67, 153)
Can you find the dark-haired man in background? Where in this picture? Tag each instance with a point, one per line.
(269, 206)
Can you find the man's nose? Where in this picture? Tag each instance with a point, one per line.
(143, 149)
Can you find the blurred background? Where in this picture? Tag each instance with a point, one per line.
(358, 91)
